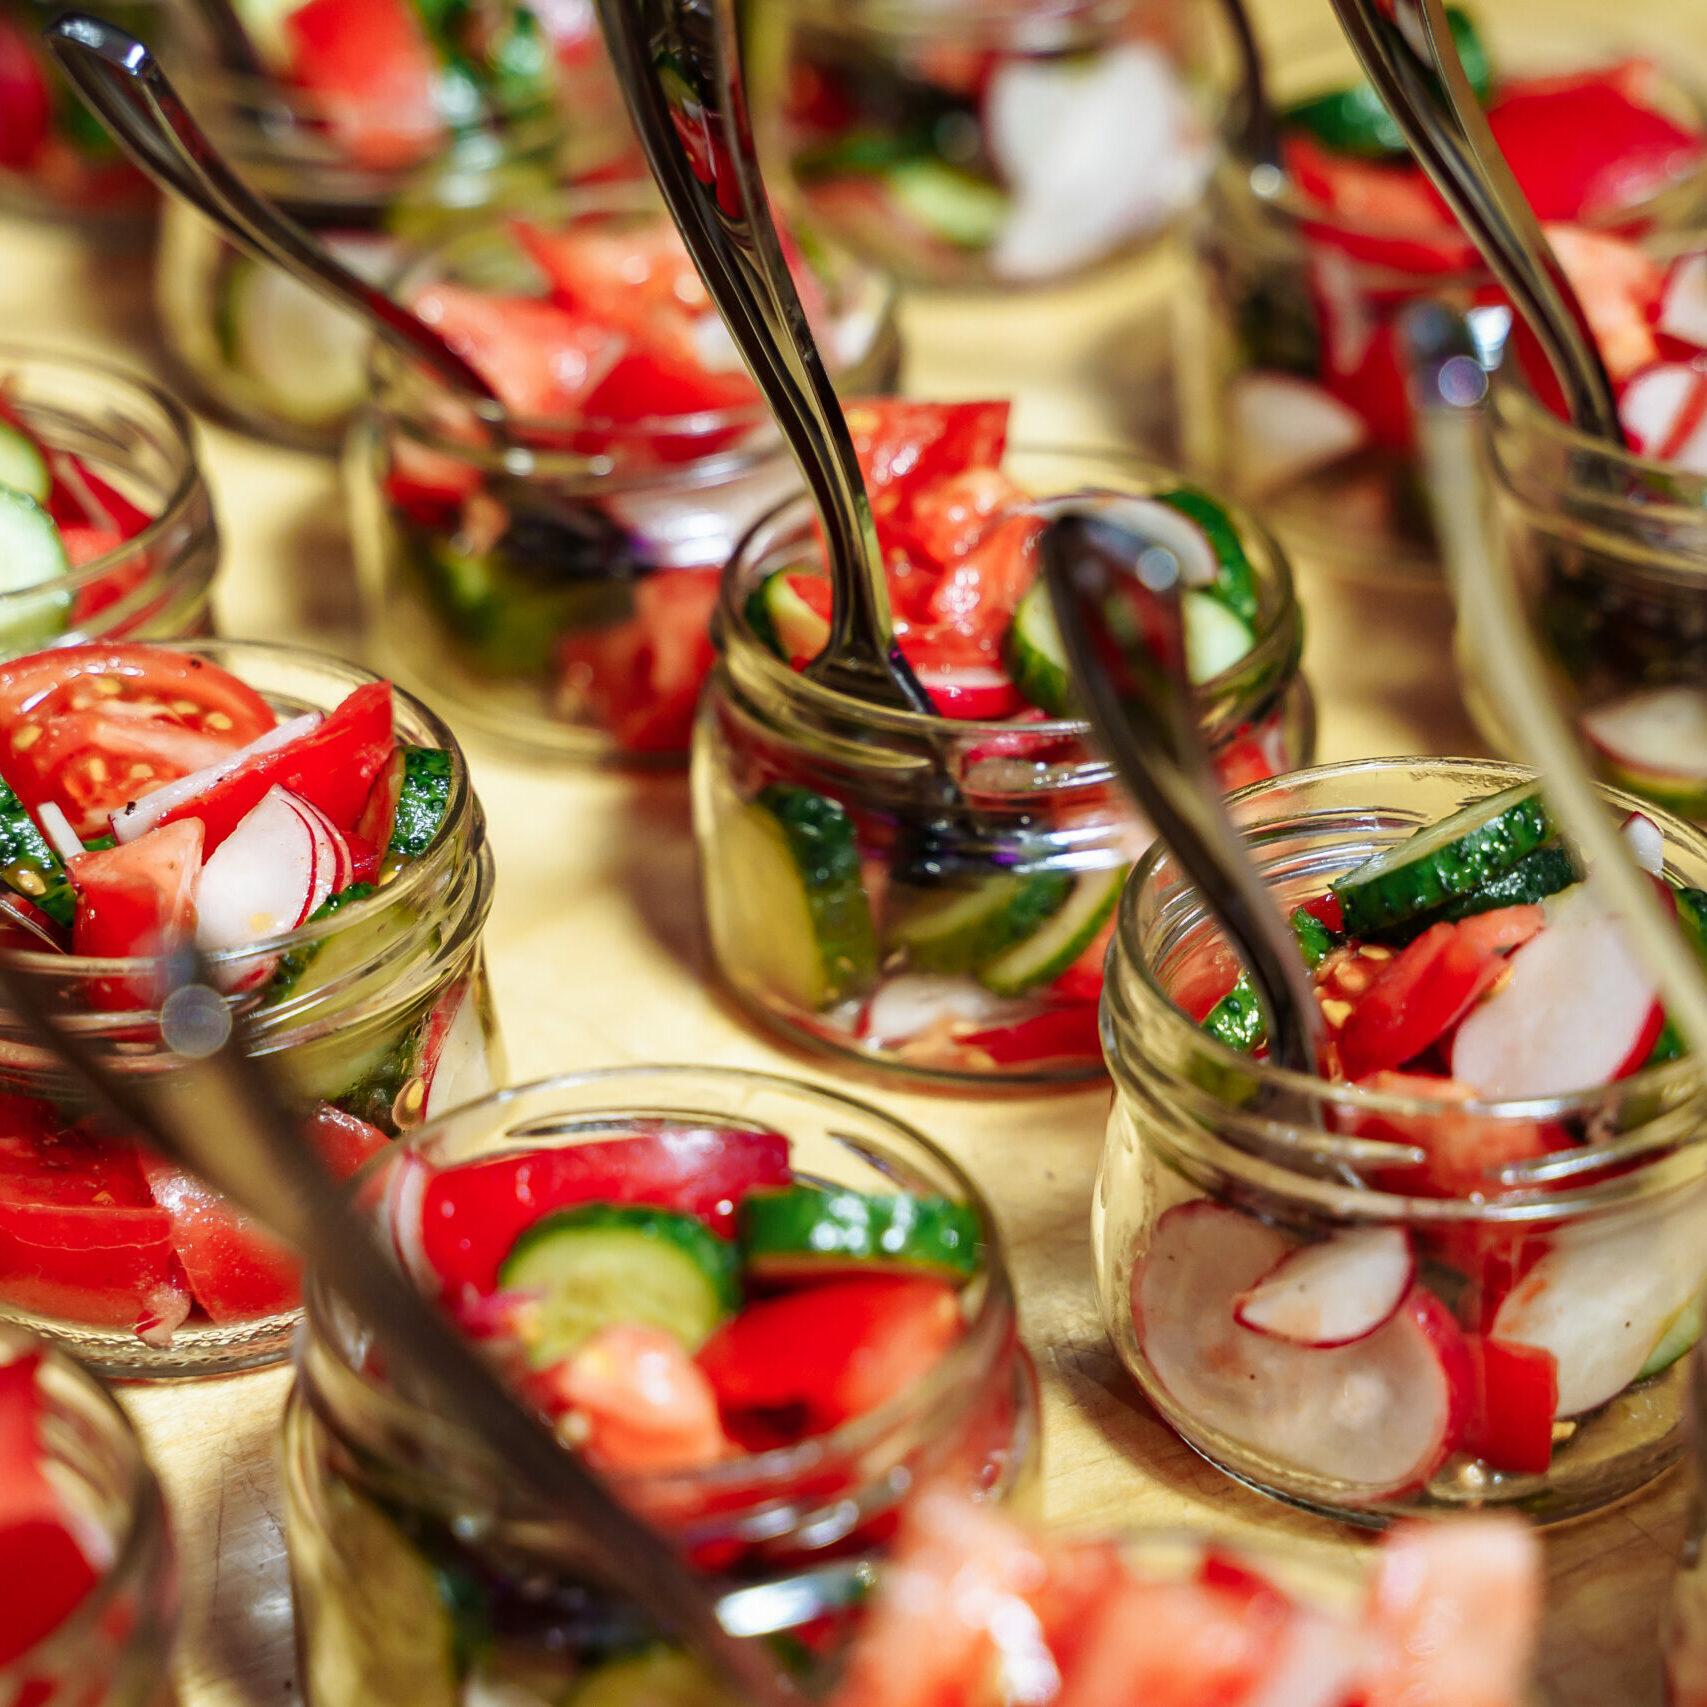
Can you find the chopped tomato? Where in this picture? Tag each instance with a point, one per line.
(133, 901)
(1516, 1396)
(374, 73)
(24, 1491)
(1429, 987)
(1056, 1034)
(543, 361)
(26, 101)
(84, 544)
(333, 765)
(1082, 981)
(904, 448)
(640, 679)
(429, 486)
(80, 497)
(833, 1351)
(88, 727)
(951, 516)
(1619, 288)
(664, 380)
(980, 590)
(621, 274)
(472, 1214)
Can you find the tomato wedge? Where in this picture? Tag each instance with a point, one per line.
(136, 900)
(333, 765)
(1511, 1415)
(89, 727)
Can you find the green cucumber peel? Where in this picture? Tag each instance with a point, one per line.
(29, 865)
(802, 1230)
(1237, 1020)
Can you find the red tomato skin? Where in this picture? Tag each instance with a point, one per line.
(333, 766)
(47, 1577)
(96, 1265)
(26, 101)
(136, 900)
(904, 448)
(1058, 1034)
(980, 590)
(471, 1215)
(1510, 1424)
(835, 1350)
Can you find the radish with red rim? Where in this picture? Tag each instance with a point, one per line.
(1332, 1293)
(1655, 739)
(1683, 301)
(265, 878)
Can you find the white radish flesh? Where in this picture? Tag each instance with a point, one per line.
(267, 876)
(139, 816)
(1572, 1013)
(1376, 1416)
(1335, 1292)
(57, 828)
(1663, 410)
(1647, 845)
(1285, 428)
(331, 840)
(1655, 732)
(1683, 304)
(458, 1069)
(1605, 1293)
(915, 1002)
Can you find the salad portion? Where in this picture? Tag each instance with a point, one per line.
(851, 893)
(152, 798)
(955, 146)
(764, 1359)
(564, 598)
(1501, 1309)
(1305, 294)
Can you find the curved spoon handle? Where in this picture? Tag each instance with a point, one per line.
(1422, 81)
(1258, 129)
(133, 97)
(1117, 606)
(677, 62)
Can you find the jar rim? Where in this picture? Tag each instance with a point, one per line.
(461, 804)
(947, 1377)
(190, 484)
(1160, 1010)
(1273, 641)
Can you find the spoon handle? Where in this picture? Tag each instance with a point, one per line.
(1118, 610)
(218, 1114)
(122, 82)
(1257, 129)
(677, 62)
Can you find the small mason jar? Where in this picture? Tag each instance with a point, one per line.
(394, 1025)
(1609, 551)
(140, 441)
(420, 1577)
(1290, 377)
(551, 581)
(265, 351)
(993, 146)
(1019, 826)
(112, 1650)
(57, 161)
(1218, 1165)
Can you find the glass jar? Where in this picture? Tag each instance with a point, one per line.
(1609, 552)
(1684, 1626)
(268, 353)
(138, 440)
(1019, 823)
(112, 1649)
(1217, 1165)
(993, 145)
(390, 1022)
(418, 1575)
(1289, 378)
(57, 161)
(554, 590)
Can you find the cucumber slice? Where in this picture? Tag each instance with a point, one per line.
(1682, 1333)
(956, 927)
(783, 621)
(422, 800)
(381, 1632)
(31, 555)
(1237, 1020)
(658, 1677)
(1692, 915)
(1215, 639)
(29, 865)
(798, 918)
(1235, 583)
(806, 1233)
(1443, 861)
(604, 1263)
(953, 205)
(1061, 939)
(1543, 871)
(1035, 657)
(317, 964)
(23, 468)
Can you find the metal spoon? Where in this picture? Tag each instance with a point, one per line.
(1414, 66)
(1115, 591)
(218, 1114)
(678, 64)
(123, 84)
(1258, 130)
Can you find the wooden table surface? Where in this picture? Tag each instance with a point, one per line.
(597, 957)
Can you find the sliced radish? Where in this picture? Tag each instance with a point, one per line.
(1285, 427)
(457, 1067)
(1605, 1292)
(1658, 733)
(1647, 845)
(971, 693)
(267, 876)
(1577, 1009)
(57, 828)
(1335, 1292)
(330, 844)
(1376, 1416)
(1319, 1662)
(1683, 301)
(137, 817)
(1663, 410)
(914, 1003)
